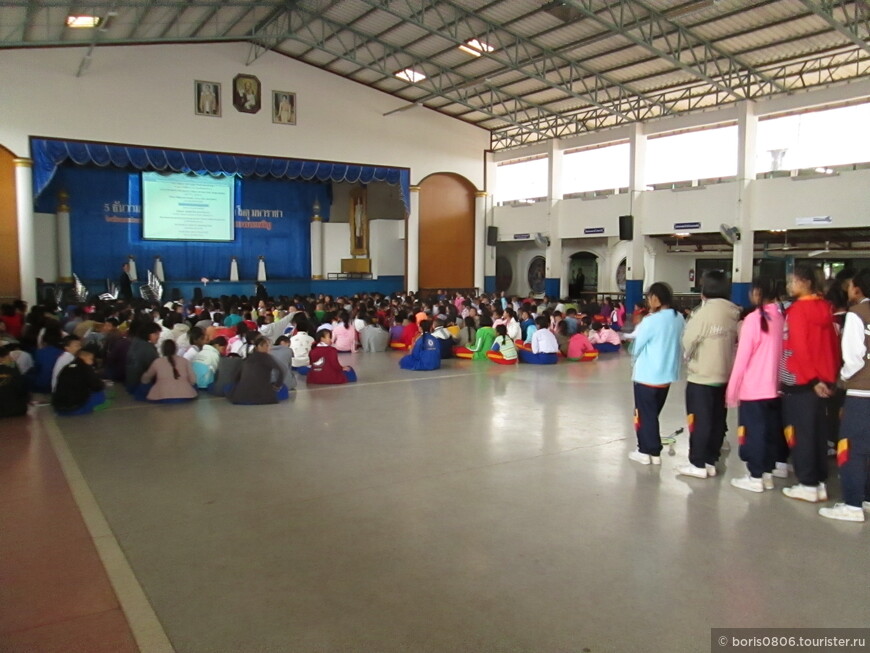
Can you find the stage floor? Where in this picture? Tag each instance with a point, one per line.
(476, 508)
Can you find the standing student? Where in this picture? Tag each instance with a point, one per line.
(656, 360)
(853, 448)
(709, 341)
(754, 386)
(810, 362)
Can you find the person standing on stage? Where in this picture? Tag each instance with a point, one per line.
(125, 290)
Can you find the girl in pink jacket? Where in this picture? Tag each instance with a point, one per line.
(754, 385)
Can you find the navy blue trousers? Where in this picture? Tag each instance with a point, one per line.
(648, 404)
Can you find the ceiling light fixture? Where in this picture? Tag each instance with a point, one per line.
(476, 47)
(410, 75)
(82, 22)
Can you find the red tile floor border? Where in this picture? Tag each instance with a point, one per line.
(55, 594)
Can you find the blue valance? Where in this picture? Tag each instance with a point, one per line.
(48, 154)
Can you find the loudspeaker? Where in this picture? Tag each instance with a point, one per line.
(492, 236)
(626, 227)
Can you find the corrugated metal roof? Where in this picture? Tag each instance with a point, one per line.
(537, 51)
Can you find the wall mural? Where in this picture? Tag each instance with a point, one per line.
(537, 274)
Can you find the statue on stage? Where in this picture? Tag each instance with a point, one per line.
(359, 222)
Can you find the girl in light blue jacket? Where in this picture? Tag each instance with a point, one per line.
(656, 358)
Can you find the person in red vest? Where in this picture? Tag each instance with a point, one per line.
(325, 368)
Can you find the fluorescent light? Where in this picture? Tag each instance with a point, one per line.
(476, 47)
(682, 234)
(410, 75)
(81, 22)
(824, 171)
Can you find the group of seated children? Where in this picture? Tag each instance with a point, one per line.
(537, 341)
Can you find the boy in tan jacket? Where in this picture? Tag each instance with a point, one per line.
(709, 343)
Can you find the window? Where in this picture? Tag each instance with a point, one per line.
(703, 154)
(815, 139)
(519, 180)
(601, 168)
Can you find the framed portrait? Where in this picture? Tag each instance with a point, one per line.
(207, 98)
(247, 93)
(283, 108)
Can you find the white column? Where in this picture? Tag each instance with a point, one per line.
(316, 247)
(555, 266)
(747, 127)
(489, 218)
(413, 241)
(26, 232)
(479, 238)
(634, 264)
(64, 244)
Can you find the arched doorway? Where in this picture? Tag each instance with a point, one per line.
(10, 275)
(582, 274)
(446, 231)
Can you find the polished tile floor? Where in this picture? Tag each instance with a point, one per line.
(476, 508)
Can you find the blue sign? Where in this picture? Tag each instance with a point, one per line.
(685, 226)
(522, 236)
(593, 230)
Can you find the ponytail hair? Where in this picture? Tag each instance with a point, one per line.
(767, 291)
(168, 349)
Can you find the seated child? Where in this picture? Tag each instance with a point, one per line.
(579, 347)
(301, 343)
(606, 340)
(562, 337)
(283, 355)
(372, 337)
(408, 335)
(544, 346)
(79, 389)
(468, 333)
(13, 388)
(171, 376)
(206, 361)
(504, 349)
(325, 368)
(253, 385)
(426, 353)
(445, 339)
(484, 338)
(71, 345)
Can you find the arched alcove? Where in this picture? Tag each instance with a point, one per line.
(582, 274)
(446, 231)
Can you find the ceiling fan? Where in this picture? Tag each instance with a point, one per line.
(819, 252)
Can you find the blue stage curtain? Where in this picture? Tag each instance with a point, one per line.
(272, 220)
(48, 154)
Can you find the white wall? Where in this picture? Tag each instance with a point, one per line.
(779, 202)
(144, 95)
(529, 219)
(387, 245)
(336, 245)
(575, 215)
(711, 206)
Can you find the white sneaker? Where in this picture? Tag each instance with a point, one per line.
(843, 512)
(642, 458)
(726, 446)
(767, 481)
(655, 460)
(802, 493)
(711, 470)
(823, 492)
(748, 483)
(690, 470)
(781, 470)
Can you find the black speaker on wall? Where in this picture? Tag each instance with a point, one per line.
(626, 227)
(492, 236)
